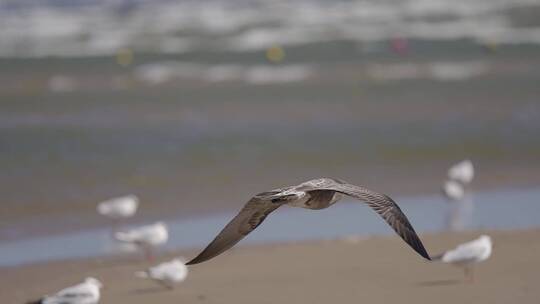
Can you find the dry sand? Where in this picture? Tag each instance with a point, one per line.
(372, 270)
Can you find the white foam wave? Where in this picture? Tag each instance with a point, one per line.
(442, 71)
(265, 74)
(165, 71)
(62, 83)
(180, 26)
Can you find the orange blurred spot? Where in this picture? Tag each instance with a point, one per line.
(124, 57)
(275, 54)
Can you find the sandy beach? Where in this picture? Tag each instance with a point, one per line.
(371, 270)
(196, 106)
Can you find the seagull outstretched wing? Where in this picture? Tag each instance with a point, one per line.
(381, 203)
(251, 216)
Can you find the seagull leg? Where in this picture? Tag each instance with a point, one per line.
(165, 284)
(115, 225)
(148, 254)
(469, 274)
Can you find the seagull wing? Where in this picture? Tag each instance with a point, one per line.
(72, 295)
(382, 204)
(249, 218)
(464, 252)
(162, 270)
(141, 235)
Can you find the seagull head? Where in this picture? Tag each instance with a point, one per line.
(181, 259)
(160, 223)
(103, 209)
(93, 281)
(133, 197)
(485, 238)
(294, 193)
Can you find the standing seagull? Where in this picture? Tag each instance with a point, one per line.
(86, 292)
(145, 237)
(453, 190)
(314, 194)
(462, 172)
(166, 274)
(468, 254)
(461, 207)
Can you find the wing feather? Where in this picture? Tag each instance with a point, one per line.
(249, 218)
(380, 203)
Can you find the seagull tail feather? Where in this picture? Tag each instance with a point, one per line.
(123, 237)
(438, 257)
(142, 274)
(39, 301)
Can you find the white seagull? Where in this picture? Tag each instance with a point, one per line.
(86, 292)
(120, 207)
(145, 237)
(314, 194)
(468, 254)
(166, 274)
(453, 190)
(462, 172)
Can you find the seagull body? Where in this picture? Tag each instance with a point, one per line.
(145, 237)
(150, 235)
(462, 172)
(468, 254)
(86, 292)
(453, 190)
(314, 194)
(167, 274)
(120, 207)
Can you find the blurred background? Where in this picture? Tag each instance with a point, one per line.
(194, 106)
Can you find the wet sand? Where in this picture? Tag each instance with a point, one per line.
(372, 270)
(53, 218)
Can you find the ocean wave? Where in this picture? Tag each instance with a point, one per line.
(441, 71)
(166, 71)
(183, 26)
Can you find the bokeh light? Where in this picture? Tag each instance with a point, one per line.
(275, 54)
(124, 57)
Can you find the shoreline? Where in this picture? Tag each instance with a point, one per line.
(23, 226)
(376, 269)
(481, 210)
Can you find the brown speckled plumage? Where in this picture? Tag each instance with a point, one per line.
(314, 194)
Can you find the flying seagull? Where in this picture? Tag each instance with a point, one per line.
(166, 274)
(314, 194)
(467, 255)
(86, 292)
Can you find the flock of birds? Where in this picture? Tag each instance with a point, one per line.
(460, 176)
(314, 194)
(466, 255)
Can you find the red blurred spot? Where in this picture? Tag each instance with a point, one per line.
(399, 45)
